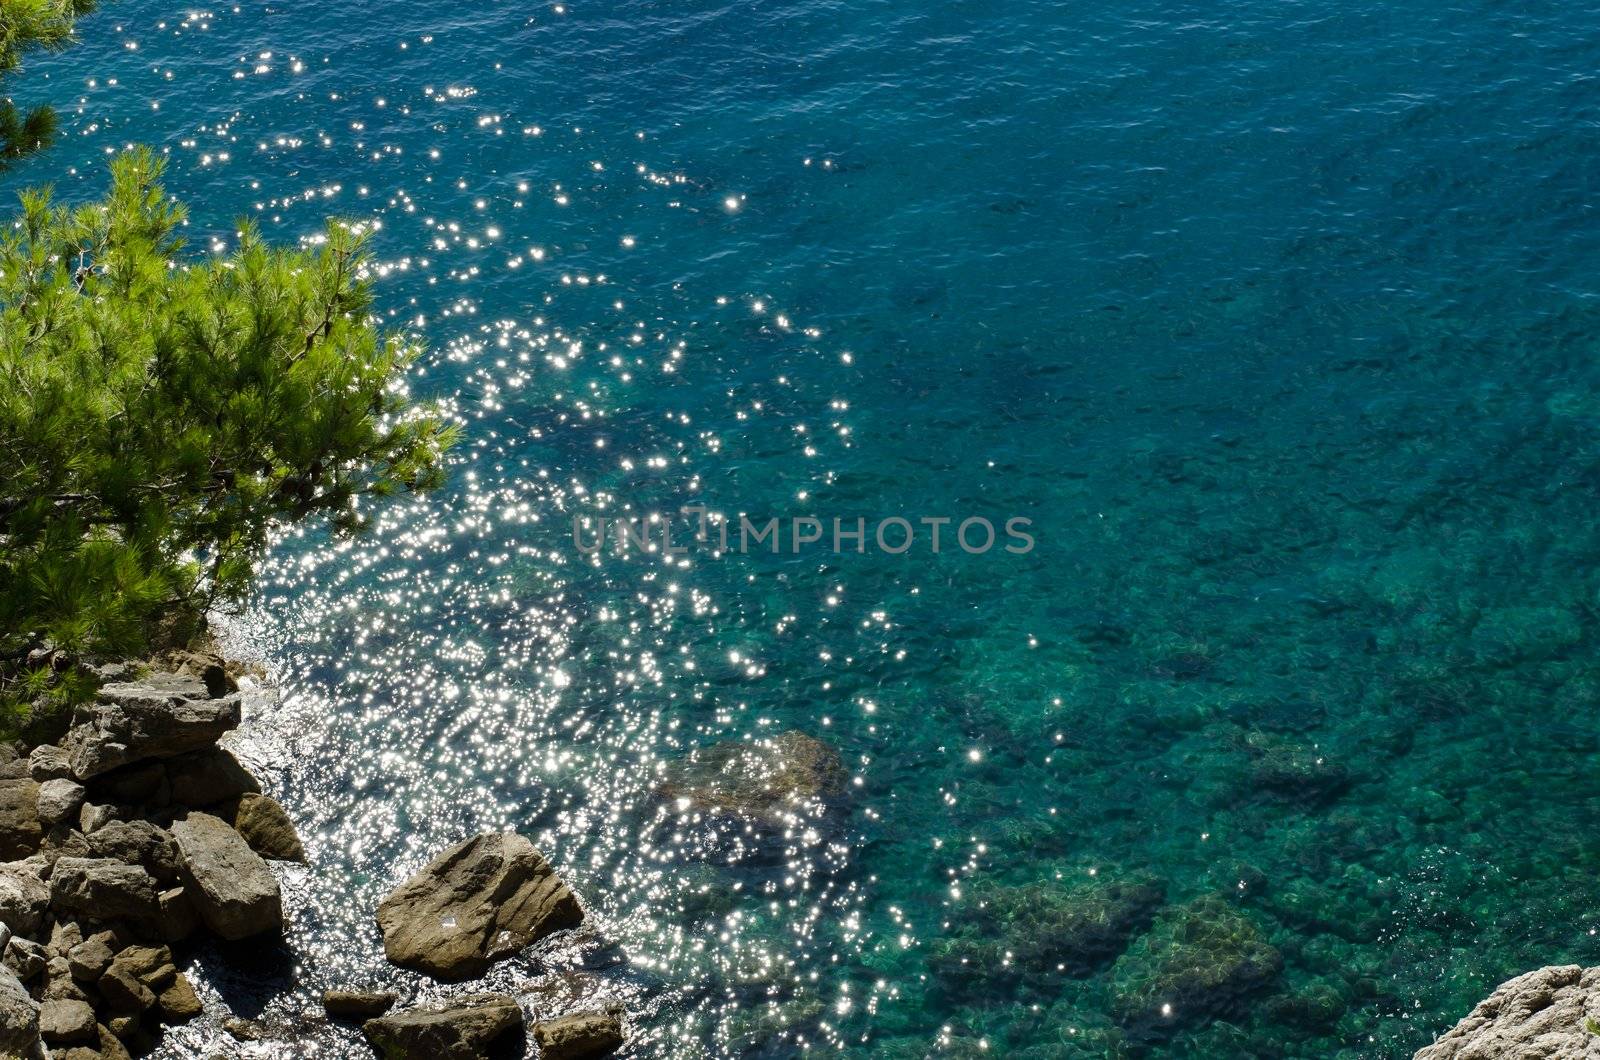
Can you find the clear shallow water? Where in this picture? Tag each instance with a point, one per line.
(1278, 320)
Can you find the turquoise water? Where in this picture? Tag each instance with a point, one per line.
(1277, 320)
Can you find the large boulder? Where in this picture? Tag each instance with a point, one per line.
(470, 1028)
(772, 781)
(104, 889)
(582, 1036)
(232, 889)
(19, 1018)
(481, 900)
(1543, 1013)
(162, 716)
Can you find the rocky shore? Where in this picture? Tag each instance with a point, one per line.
(131, 838)
(1552, 1012)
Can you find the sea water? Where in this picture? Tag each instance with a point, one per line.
(1276, 322)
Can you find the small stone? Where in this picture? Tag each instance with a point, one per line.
(136, 976)
(65, 1022)
(358, 1004)
(267, 828)
(49, 762)
(59, 984)
(94, 815)
(244, 1030)
(89, 959)
(59, 800)
(25, 958)
(64, 935)
(179, 1003)
(579, 1036)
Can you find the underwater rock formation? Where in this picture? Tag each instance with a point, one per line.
(1044, 930)
(1540, 1014)
(1202, 961)
(770, 781)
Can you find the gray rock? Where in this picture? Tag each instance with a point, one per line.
(25, 958)
(49, 761)
(66, 1022)
(179, 1003)
(209, 777)
(135, 978)
(162, 716)
(233, 890)
(579, 1036)
(466, 1030)
(481, 900)
(358, 1004)
(267, 828)
(89, 959)
(20, 830)
(93, 816)
(19, 1018)
(138, 843)
(24, 896)
(103, 889)
(1539, 1014)
(59, 800)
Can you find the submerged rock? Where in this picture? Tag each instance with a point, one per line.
(162, 716)
(481, 900)
(770, 780)
(1048, 929)
(579, 1036)
(1540, 1014)
(1202, 961)
(232, 889)
(469, 1029)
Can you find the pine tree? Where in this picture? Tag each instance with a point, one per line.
(162, 413)
(24, 26)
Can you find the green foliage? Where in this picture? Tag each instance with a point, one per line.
(24, 26)
(159, 416)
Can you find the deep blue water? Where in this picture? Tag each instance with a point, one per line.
(1278, 320)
